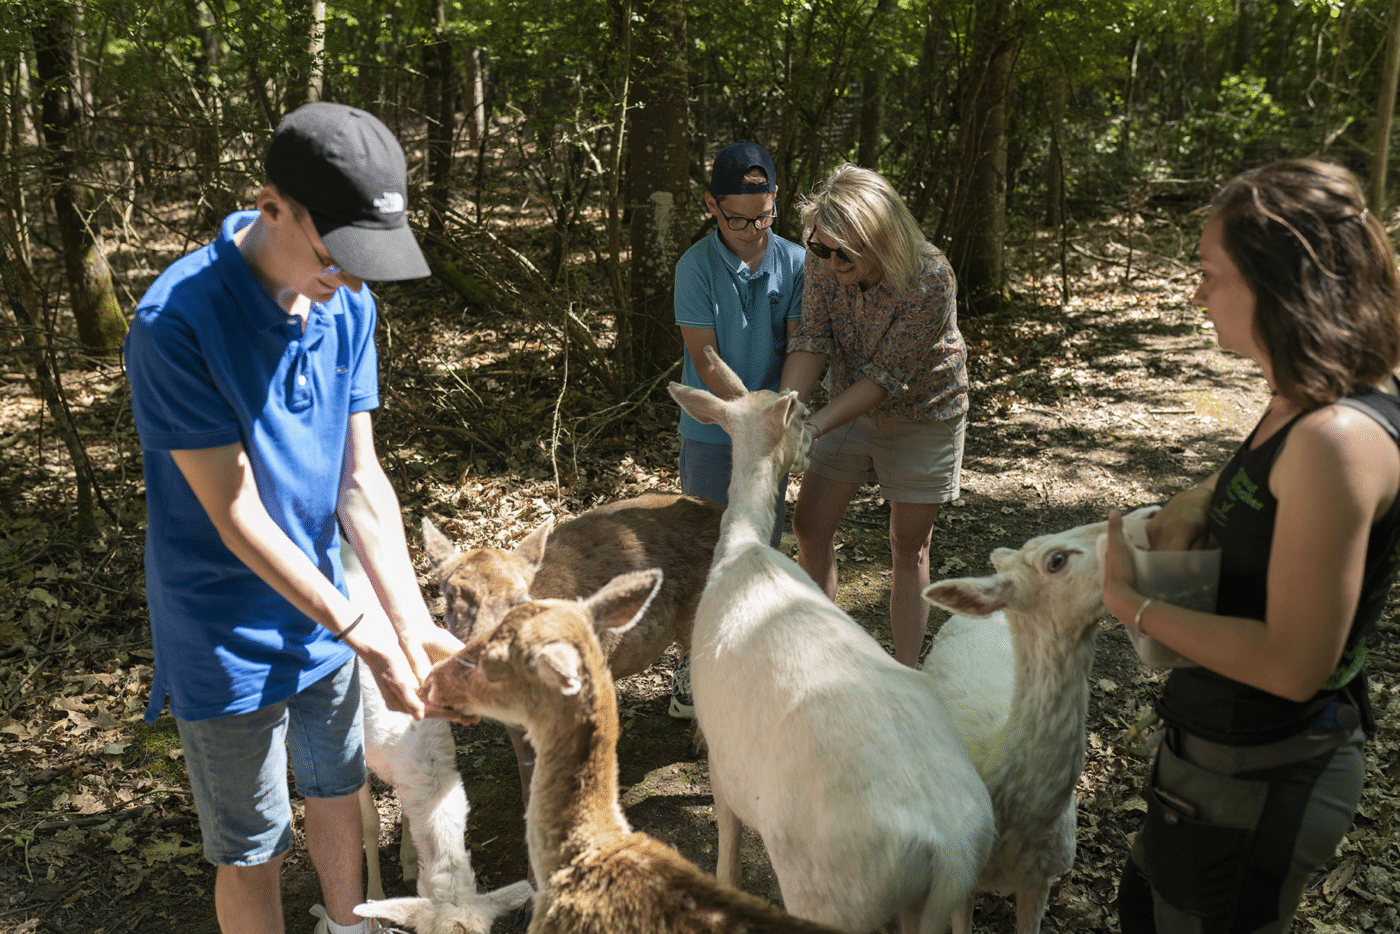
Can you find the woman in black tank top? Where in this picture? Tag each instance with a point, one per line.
(1261, 770)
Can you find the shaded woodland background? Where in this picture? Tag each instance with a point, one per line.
(1058, 151)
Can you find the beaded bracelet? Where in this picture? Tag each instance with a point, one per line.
(346, 631)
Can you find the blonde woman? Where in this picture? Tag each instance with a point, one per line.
(879, 317)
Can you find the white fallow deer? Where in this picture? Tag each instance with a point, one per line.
(1013, 665)
(844, 761)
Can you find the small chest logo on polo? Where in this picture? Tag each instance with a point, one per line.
(1240, 489)
(391, 202)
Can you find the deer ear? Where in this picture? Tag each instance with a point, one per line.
(437, 545)
(970, 596)
(623, 600)
(531, 547)
(795, 408)
(731, 386)
(702, 405)
(406, 911)
(559, 666)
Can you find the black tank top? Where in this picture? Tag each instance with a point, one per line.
(1241, 519)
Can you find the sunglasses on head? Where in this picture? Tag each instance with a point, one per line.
(823, 251)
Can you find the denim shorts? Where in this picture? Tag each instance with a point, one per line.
(238, 766)
(914, 462)
(705, 468)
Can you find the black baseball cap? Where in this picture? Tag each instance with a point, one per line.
(344, 166)
(731, 164)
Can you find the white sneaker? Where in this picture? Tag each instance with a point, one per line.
(682, 703)
(367, 925)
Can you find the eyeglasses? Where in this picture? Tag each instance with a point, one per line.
(824, 252)
(329, 269)
(739, 222)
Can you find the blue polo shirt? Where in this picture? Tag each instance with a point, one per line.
(212, 359)
(748, 310)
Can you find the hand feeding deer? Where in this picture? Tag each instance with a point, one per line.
(844, 761)
(543, 668)
(1022, 716)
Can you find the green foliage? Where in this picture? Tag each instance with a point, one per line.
(185, 92)
(1245, 116)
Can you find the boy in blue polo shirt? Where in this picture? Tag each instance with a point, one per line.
(253, 372)
(739, 290)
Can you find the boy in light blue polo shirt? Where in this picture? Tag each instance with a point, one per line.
(739, 290)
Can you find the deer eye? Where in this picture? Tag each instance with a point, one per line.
(495, 664)
(1057, 561)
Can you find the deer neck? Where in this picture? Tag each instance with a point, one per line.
(753, 483)
(1041, 752)
(573, 793)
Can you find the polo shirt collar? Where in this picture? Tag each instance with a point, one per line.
(738, 266)
(266, 314)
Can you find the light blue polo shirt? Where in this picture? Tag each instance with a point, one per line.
(212, 359)
(748, 310)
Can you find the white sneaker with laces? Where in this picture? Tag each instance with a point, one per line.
(367, 925)
(682, 704)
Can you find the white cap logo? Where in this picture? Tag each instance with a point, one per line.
(391, 203)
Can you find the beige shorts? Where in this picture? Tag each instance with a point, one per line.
(914, 462)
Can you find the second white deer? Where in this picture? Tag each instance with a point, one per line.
(1016, 682)
(844, 761)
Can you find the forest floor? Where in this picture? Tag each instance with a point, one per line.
(1117, 399)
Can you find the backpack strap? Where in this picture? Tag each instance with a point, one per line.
(1385, 409)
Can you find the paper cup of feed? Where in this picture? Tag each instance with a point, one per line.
(1187, 579)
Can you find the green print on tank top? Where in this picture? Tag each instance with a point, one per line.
(1240, 489)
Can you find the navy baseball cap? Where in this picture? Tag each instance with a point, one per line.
(731, 164)
(344, 166)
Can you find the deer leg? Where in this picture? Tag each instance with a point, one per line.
(369, 823)
(727, 868)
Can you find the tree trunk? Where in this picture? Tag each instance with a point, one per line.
(1242, 44)
(440, 106)
(872, 112)
(17, 286)
(474, 106)
(214, 199)
(1333, 82)
(1129, 94)
(1283, 25)
(316, 52)
(306, 22)
(1056, 101)
(658, 171)
(620, 12)
(101, 325)
(977, 198)
(1385, 111)
(19, 133)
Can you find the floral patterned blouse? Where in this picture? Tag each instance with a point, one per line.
(908, 342)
